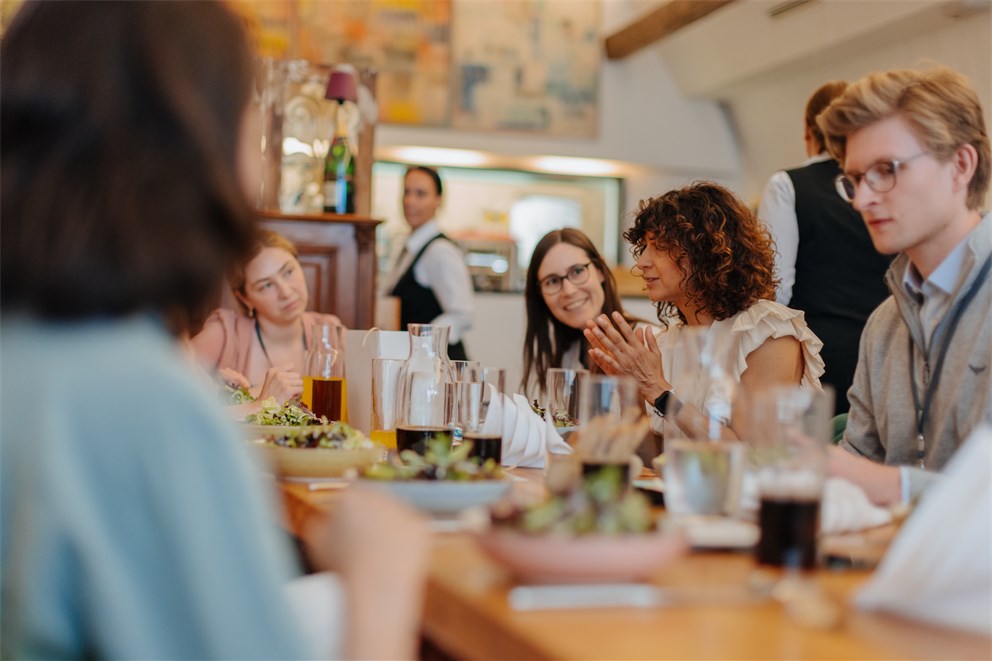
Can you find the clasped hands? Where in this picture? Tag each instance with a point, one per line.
(619, 348)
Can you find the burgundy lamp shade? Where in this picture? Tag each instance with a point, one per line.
(341, 87)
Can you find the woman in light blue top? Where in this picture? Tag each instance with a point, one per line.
(132, 524)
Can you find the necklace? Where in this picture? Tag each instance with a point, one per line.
(265, 352)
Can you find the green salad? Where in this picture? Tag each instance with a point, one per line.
(232, 394)
(600, 505)
(440, 462)
(333, 436)
(292, 414)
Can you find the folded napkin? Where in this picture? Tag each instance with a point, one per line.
(527, 438)
(939, 567)
(844, 507)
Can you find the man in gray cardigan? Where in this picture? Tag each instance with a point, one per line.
(916, 165)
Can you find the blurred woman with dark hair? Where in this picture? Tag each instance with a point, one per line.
(707, 261)
(568, 284)
(132, 523)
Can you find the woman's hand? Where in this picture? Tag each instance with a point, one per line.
(233, 378)
(282, 384)
(359, 542)
(623, 350)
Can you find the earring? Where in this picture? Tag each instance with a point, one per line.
(251, 312)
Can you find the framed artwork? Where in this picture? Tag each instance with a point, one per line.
(525, 66)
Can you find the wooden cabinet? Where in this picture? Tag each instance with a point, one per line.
(338, 258)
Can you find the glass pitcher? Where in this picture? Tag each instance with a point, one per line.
(324, 386)
(423, 379)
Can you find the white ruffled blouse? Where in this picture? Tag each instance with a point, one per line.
(743, 333)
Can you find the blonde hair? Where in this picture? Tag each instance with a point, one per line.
(940, 105)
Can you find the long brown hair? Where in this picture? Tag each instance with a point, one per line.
(547, 339)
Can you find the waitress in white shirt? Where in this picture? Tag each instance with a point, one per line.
(430, 277)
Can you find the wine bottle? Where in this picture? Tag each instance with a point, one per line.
(339, 170)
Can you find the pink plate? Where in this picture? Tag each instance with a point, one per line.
(593, 558)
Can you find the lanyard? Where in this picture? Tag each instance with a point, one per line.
(923, 410)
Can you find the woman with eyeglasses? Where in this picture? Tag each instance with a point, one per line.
(708, 261)
(568, 285)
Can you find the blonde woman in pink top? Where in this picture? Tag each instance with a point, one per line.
(263, 345)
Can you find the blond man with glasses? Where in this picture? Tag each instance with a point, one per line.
(914, 151)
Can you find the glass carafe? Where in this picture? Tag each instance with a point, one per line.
(324, 386)
(420, 399)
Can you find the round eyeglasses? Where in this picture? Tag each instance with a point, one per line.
(576, 274)
(880, 177)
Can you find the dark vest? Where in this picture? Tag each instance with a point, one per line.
(840, 278)
(419, 305)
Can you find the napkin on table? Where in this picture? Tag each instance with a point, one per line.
(527, 437)
(939, 567)
(844, 507)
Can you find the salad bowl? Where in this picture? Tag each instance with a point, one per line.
(445, 497)
(311, 463)
(597, 558)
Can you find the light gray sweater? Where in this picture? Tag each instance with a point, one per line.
(882, 421)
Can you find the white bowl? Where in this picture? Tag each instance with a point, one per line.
(585, 558)
(442, 496)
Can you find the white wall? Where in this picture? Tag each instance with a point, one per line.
(768, 111)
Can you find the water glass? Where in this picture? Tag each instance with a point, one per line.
(462, 371)
(561, 397)
(609, 396)
(479, 413)
(703, 478)
(385, 378)
(788, 430)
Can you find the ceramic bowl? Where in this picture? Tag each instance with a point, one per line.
(592, 558)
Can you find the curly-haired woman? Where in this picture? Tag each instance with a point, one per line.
(707, 260)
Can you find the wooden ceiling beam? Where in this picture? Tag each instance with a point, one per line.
(658, 24)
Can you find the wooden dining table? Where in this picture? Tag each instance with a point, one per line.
(467, 614)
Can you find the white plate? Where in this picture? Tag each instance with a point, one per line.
(711, 532)
(441, 497)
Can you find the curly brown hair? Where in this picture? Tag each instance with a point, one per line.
(724, 252)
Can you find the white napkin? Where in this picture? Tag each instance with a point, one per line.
(844, 506)
(939, 568)
(526, 436)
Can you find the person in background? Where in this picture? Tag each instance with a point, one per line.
(568, 284)
(430, 277)
(826, 263)
(708, 261)
(265, 343)
(133, 522)
(916, 165)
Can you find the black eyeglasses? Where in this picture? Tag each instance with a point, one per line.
(880, 177)
(576, 274)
